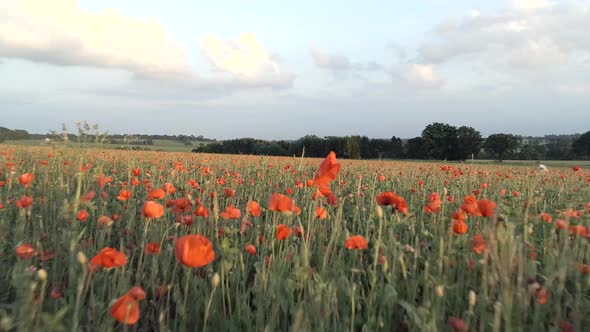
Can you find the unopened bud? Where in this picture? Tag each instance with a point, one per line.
(439, 291)
(472, 298)
(42, 275)
(379, 211)
(215, 280)
(6, 323)
(82, 259)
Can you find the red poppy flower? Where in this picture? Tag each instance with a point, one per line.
(356, 242)
(152, 248)
(251, 250)
(82, 215)
(327, 172)
(321, 213)
(152, 209)
(108, 258)
(194, 250)
(281, 203)
(253, 208)
(478, 244)
(24, 251)
(459, 227)
(126, 309)
(26, 179)
(283, 232)
(124, 195)
(156, 194)
(230, 212)
(389, 198)
(24, 202)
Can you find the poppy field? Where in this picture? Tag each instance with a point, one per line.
(103, 240)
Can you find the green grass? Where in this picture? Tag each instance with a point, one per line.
(416, 274)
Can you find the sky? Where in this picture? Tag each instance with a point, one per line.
(283, 69)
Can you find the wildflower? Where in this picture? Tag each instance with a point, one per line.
(194, 250)
(152, 248)
(283, 232)
(230, 212)
(25, 251)
(356, 242)
(327, 172)
(108, 258)
(253, 208)
(126, 309)
(152, 209)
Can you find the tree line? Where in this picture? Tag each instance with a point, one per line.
(438, 141)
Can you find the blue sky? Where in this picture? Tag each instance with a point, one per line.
(283, 69)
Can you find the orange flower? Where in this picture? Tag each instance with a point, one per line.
(327, 172)
(321, 213)
(24, 202)
(126, 309)
(283, 232)
(459, 227)
(201, 211)
(253, 208)
(152, 248)
(124, 195)
(108, 258)
(356, 242)
(26, 179)
(458, 325)
(156, 194)
(546, 217)
(389, 198)
(578, 230)
(152, 209)
(543, 296)
(458, 215)
(231, 212)
(281, 203)
(478, 244)
(251, 250)
(104, 221)
(434, 205)
(82, 215)
(470, 206)
(169, 188)
(194, 250)
(486, 207)
(24, 251)
(229, 193)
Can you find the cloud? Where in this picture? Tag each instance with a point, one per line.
(326, 60)
(340, 62)
(530, 4)
(245, 59)
(59, 32)
(534, 36)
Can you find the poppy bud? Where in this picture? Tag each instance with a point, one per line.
(82, 259)
(379, 211)
(42, 275)
(439, 290)
(472, 298)
(215, 280)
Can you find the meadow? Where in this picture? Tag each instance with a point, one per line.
(103, 240)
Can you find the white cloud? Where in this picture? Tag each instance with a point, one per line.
(61, 32)
(530, 4)
(550, 36)
(245, 59)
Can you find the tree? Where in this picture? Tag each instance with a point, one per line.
(581, 146)
(440, 140)
(468, 143)
(417, 148)
(501, 145)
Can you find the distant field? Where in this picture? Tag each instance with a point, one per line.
(159, 145)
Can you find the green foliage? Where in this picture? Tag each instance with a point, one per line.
(501, 145)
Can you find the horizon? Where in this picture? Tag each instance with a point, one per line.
(235, 69)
